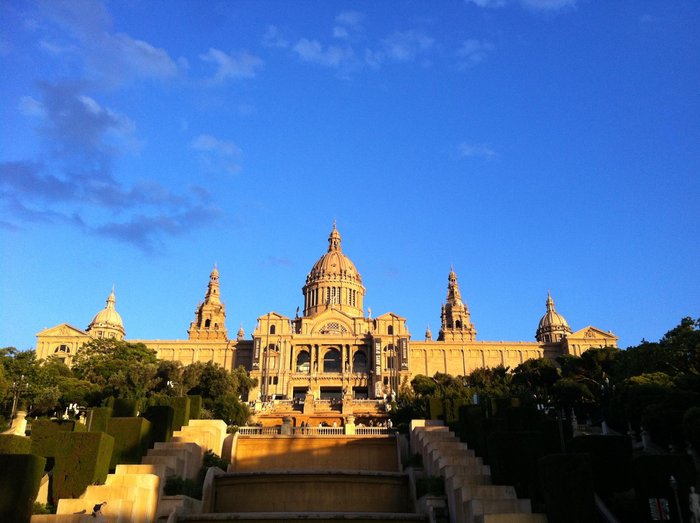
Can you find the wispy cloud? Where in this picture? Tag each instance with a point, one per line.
(111, 57)
(216, 155)
(75, 183)
(476, 150)
(232, 66)
(540, 5)
(330, 56)
(273, 37)
(405, 46)
(473, 52)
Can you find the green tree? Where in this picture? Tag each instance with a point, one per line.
(121, 369)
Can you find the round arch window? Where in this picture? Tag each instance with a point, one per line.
(332, 361)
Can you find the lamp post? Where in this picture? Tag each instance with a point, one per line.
(17, 388)
(674, 487)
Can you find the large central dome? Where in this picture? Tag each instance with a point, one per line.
(333, 282)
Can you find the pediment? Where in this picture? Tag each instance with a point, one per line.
(62, 330)
(592, 333)
(390, 316)
(273, 316)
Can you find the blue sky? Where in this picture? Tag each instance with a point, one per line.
(532, 144)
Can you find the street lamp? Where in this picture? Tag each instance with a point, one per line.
(17, 388)
(674, 486)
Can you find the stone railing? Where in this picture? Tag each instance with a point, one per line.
(317, 431)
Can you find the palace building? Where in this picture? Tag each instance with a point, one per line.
(335, 349)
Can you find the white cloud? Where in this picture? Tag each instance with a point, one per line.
(238, 65)
(405, 46)
(472, 52)
(206, 142)
(487, 3)
(216, 155)
(31, 107)
(352, 19)
(144, 59)
(340, 32)
(273, 38)
(475, 150)
(542, 5)
(332, 56)
(548, 5)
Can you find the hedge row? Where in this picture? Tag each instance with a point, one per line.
(20, 477)
(45, 435)
(13, 444)
(82, 459)
(161, 418)
(132, 437)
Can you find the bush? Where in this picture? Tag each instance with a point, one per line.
(82, 459)
(177, 486)
(13, 444)
(97, 418)
(45, 433)
(161, 418)
(513, 456)
(20, 476)
(436, 408)
(433, 485)
(132, 437)
(195, 406)
(124, 408)
(611, 460)
(567, 484)
(181, 408)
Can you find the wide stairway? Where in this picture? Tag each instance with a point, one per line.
(282, 478)
(471, 498)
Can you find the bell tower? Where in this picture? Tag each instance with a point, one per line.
(210, 317)
(455, 318)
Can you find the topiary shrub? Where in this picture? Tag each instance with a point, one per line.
(82, 459)
(132, 437)
(20, 476)
(513, 456)
(124, 408)
(44, 435)
(97, 418)
(181, 408)
(611, 459)
(436, 408)
(13, 444)
(195, 406)
(567, 484)
(161, 418)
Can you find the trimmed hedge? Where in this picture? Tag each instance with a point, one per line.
(98, 417)
(651, 476)
(132, 437)
(195, 406)
(82, 459)
(45, 432)
(20, 477)
(124, 408)
(436, 408)
(611, 459)
(181, 407)
(513, 456)
(567, 484)
(13, 444)
(161, 418)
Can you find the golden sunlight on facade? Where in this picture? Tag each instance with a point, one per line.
(335, 349)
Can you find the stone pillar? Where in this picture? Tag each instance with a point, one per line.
(286, 426)
(350, 425)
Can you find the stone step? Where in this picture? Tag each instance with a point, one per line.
(63, 518)
(479, 507)
(115, 511)
(173, 462)
(145, 501)
(317, 517)
(511, 518)
(191, 453)
(159, 470)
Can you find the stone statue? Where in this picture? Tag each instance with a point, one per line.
(694, 505)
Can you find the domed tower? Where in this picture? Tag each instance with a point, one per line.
(210, 317)
(553, 326)
(333, 282)
(107, 323)
(455, 318)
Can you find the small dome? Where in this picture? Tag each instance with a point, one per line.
(108, 318)
(552, 326)
(241, 333)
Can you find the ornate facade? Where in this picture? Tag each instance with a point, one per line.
(335, 349)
